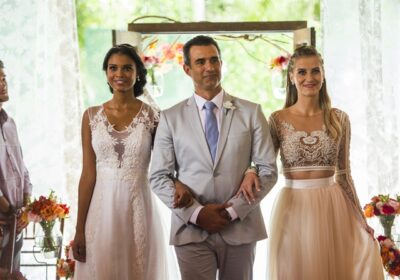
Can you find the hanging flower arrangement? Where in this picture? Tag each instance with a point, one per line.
(280, 63)
(161, 57)
(279, 67)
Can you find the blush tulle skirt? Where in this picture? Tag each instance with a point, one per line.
(315, 235)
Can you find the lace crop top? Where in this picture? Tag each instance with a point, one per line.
(316, 150)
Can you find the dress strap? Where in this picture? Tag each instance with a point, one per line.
(92, 111)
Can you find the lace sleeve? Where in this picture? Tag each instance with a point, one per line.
(343, 173)
(274, 132)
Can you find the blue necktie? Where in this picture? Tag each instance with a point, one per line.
(211, 128)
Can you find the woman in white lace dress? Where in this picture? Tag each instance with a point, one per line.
(118, 234)
(318, 230)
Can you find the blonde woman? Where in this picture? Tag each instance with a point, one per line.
(318, 230)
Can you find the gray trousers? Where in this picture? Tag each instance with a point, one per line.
(5, 256)
(212, 257)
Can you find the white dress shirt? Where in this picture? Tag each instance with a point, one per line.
(218, 101)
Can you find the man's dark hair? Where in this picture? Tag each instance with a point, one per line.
(1, 64)
(200, 40)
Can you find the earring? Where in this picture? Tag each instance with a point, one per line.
(138, 78)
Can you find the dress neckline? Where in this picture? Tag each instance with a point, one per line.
(291, 126)
(112, 126)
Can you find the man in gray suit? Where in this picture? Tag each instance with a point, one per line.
(208, 142)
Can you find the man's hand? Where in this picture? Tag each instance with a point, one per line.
(182, 197)
(4, 205)
(6, 275)
(213, 217)
(249, 183)
(27, 199)
(21, 223)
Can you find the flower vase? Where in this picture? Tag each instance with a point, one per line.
(387, 224)
(49, 239)
(278, 80)
(155, 83)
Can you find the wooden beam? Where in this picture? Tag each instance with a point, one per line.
(217, 27)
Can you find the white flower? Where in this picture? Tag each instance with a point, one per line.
(228, 105)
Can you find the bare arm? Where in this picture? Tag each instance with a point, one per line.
(86, 187)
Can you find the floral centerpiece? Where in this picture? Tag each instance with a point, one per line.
(386, 209)
(66, 267)
(159, 58)
(279, 67)
(390, 255)
(45, 211)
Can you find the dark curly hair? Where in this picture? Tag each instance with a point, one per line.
(1, 64)
(130, 51)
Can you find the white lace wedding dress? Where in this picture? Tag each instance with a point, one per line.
(124, 239)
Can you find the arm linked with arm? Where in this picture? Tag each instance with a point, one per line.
(162, 170)
(264, 157)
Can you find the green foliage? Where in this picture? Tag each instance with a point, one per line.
(246, 75)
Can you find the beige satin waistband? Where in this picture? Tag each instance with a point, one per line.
(309, 183)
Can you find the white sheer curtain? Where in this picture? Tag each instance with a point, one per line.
(362, 59)
(40, 51)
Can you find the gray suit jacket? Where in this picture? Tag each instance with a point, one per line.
(180, 149)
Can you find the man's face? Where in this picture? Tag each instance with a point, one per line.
(205, 68)
(3, 87)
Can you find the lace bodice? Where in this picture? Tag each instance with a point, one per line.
(300, 150)
(127, 150)
(316, 150)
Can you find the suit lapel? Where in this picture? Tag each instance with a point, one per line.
(198, 132)
(226, 120)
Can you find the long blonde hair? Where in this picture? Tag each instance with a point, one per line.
(331, 120)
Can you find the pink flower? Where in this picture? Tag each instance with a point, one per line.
(33, 217)
(151, 61)
(387, 242)
(379, 206)
(394, 203)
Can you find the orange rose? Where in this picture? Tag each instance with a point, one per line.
(369, 211)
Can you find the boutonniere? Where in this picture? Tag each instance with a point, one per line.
(228, 105)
